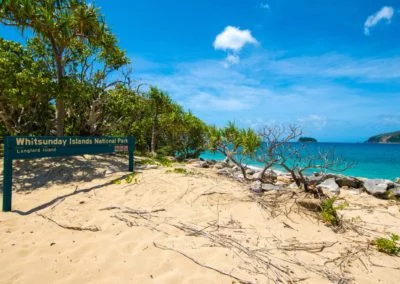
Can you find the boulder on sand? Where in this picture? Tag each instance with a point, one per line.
(329, 185)
(395, 191)
(256, 186)
(225, 172)
(377, 187)
(350, 182)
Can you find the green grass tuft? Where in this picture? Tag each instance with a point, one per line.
(329, 211)
(388, 245)
(181, 171)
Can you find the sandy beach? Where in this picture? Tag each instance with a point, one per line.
(81, 220)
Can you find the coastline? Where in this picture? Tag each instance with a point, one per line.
(373, 161)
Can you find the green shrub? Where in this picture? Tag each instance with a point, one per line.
(388, 245)
(181, 171)
(147, 161)
(130, 177)
(164, 161)
(329, 211)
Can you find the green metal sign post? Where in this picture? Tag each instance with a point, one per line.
(33, 147)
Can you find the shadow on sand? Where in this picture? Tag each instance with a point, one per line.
(34, 174)
(62, 197)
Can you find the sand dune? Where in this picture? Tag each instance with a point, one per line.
(80, 226)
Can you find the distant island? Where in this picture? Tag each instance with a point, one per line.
(392, 137)
(307, 140)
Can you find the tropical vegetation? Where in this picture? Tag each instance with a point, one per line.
(70, 77)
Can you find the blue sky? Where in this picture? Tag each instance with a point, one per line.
(331, 66)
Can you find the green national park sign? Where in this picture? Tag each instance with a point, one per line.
(30, 147)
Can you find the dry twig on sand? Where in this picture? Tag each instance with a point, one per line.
(202, 265)
(67, 227)
(310, 247)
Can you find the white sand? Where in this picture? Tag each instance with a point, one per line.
(231, 231)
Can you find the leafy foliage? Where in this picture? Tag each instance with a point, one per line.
(329, 211)
(181, 171)
(236, 144)
(388, 245)
(71, 78)
(64, 32)
(26, 89)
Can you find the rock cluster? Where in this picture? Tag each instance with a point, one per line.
(328, 183)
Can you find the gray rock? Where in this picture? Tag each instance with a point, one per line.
(225, 172)
(397, 180)
(329, 185)
(268, 186)
(395, 191)
(250, 171)
(239, 177)
(256, 187)
(377, 187)
(257, 175)
(317, 179)
(348, 181)
(269, 176)
(204, 164)
(219, 166)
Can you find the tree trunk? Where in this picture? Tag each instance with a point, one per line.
(154, 134)
(60, 116)
(60, 106)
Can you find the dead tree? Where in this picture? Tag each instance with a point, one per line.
(298, 159)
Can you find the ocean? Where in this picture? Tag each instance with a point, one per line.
(372, 160)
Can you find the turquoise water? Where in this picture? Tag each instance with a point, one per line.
(372, 160)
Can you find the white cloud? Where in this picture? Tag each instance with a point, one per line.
(207, 101)
(231, 59)
(264, 6)
(314, 121)
(233, 38)
(386, 13)
(331, 65)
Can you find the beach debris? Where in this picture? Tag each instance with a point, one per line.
(329, 185)
(311, 204)
(378, 187)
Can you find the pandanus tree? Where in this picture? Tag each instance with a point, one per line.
(66, 27)
(160, 104)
